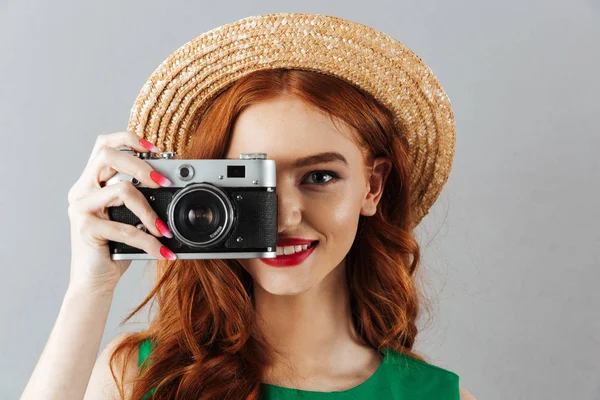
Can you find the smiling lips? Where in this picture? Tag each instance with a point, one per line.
(286, 250)
(291, 252)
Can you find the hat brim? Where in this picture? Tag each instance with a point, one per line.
(166, 109)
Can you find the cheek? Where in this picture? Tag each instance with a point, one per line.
(335, 215)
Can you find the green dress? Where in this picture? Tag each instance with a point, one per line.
(398, 377)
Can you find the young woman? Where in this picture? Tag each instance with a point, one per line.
(335, 321)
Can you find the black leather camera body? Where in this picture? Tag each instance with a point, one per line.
(218, 208)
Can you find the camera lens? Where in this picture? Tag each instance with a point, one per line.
(202, 215)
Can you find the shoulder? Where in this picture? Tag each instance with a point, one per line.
(419, 367)
(464, 395)
(102, 385)
(424, 372)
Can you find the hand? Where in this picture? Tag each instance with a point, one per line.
(91, 227)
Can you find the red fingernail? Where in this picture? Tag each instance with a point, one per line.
(158, 178)
(168, 254)
(150, 146)
(163, 228)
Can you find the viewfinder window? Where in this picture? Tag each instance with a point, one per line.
(236, 171)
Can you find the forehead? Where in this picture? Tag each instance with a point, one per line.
(286, 128)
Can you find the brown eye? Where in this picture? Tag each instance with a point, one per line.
(320, 177)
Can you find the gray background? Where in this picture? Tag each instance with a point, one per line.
(511, 249)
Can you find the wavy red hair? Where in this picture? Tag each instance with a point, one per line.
(205, 343)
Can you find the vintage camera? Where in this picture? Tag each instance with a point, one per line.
(222, 208)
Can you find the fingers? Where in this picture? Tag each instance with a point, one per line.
(99, 228)
(110, 160)
(105, 161)
(85, 214)
(89, 202)
(122, 193)
(114, 140)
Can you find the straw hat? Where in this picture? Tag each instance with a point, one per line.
(166, 109)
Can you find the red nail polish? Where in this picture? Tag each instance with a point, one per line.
(158, 178)
(150, 146)
(168, 254)
(163, 228)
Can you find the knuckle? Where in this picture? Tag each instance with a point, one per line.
(147, 212)
(72, 211)
(126, 189)
(101, 138)
(104, 153)
(132, 134)
(73, 194)
(150, 214)
(128, 231)
(143, 170)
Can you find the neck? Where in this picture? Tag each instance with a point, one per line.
(311, 331)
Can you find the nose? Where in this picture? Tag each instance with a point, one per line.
(289, 206)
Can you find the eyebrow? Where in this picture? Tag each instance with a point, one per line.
(327, 157)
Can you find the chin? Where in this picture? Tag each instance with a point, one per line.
(287, 286)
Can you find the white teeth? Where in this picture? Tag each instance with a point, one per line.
(290, 249)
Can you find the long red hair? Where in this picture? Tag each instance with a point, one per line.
(205, 343)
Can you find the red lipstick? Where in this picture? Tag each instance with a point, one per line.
(293, 259)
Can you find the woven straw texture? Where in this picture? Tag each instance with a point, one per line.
(166, 109)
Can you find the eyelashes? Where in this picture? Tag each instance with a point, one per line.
(333, 177)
